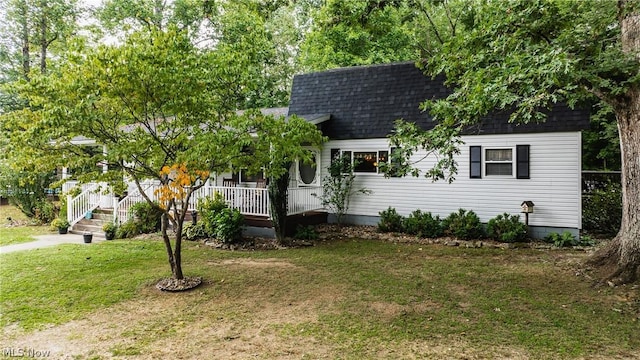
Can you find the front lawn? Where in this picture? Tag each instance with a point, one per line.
(21, 234)
(348, 299)
(10, 216)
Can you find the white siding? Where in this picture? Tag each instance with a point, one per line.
(554, 184)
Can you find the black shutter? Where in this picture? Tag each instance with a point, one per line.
(475, 163)
(522, 164)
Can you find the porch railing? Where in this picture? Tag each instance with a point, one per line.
(303, 199)
(121, 210)
(249, 201)
(88, 200)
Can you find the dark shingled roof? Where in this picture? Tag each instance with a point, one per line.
(364, 101)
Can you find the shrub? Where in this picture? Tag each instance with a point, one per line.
(507, 228)
(228, 225)
(110, 229)
(207, 209)
(45, 211)
(390, 221)
(463, 225)
(194, 232)
(127, 230)
(146, 217)
(337, 187)
(306, 233)
(58, 224)
(562, 240)
(602, 210)
(423, 224)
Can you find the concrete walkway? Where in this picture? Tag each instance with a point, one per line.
(47, 241)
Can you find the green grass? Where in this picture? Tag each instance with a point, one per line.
(22, 234)
(17, 234)
(367, 296)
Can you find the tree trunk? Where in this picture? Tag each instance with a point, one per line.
(43, 37)
(624, 249)
(24, 38)
(167, 244)
(278, 203)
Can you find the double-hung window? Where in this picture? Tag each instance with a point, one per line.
(499, 161)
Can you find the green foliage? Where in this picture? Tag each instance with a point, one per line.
(27, 191)
(562, 240)
(306, 233)
(337, 186)
(423, 225)
(45, 211)
(110, 229)
(218, 220)
(602, 210)
(147, 217)
(208, 208)
(390, 221)
(194, 232)
(463, 225)
(60, 224)
(127, 230)
(507, 228)
(355, 32)
(228, 224)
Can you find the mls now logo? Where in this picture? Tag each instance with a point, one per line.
(25, 352)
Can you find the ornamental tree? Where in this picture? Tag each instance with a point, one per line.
(160, 107)
(525, 56)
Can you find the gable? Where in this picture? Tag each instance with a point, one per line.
(365, 101)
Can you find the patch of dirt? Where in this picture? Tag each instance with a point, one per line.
(258, 263)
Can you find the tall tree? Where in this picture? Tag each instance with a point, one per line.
(355, 32)
(154, 102)
(525, 56)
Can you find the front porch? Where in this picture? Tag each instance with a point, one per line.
(252, 202)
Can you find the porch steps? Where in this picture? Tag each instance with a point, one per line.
(93, 225)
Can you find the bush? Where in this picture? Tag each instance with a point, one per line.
(602, 210)
(423, 225)
(45, 211)
(208, 208)
(507, 228)
(390, 221)
(146, 217)
(194, 232)
(110, 229)
(228, 225)
(127, 230)
(463, 225)
(306, 233)
(59, 223)
(562, 240)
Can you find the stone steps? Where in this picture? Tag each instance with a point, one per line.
(94, 225)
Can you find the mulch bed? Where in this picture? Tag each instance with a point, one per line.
(175, 285)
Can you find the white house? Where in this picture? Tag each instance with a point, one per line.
(501, 165)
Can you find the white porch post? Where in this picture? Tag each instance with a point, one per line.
(107, 200)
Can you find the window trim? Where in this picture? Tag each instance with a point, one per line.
(486, 161)
(351, 152)
(316, 179)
